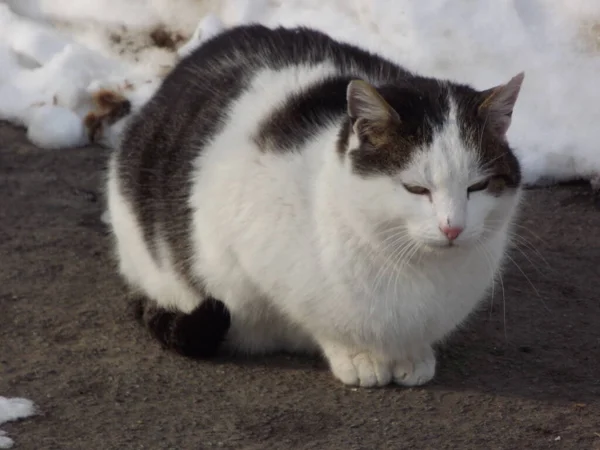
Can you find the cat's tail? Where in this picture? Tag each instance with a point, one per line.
(198, 334)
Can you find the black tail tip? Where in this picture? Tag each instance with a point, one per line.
(198, 334)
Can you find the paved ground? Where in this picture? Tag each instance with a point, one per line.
(523, 376)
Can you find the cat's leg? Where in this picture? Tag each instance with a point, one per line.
(368, 368)
(358, 367)
(417, 369)
(257, 326)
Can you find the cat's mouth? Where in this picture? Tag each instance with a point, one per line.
(443, 246)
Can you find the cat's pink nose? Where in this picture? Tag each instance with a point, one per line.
(451, 232)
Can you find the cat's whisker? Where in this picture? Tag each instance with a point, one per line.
(383, 230)
(518, 225)
(501, 280)
(408, 262)
(395, 275)
(516, 235)
(480, 245)
(517, 246)
(390, 257)
(396, 269)
(517, 241)
(405, 263)
(392, 263)
(521, 241)
(375, 249)
(403, 258)
(537, 293)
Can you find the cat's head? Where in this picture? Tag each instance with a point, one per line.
(432, 159)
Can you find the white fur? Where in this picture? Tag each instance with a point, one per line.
(136, 263)
(308, 256)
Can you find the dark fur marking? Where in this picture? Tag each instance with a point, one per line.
(302, 115)
(344, 137)
(495, 154)
(158, 152)
(422, 106)
(196, 335)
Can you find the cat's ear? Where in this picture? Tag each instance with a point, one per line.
(497, 104)
(367, 108)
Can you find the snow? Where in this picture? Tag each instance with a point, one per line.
(208, 27)
(48, 80)
(55, 127)
(13, 409)
(57, 54)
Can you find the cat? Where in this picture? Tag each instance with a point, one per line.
(285, 191)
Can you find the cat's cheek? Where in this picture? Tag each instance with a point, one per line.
(424, 223)
(425, 233)
(488, 213)
(376, 199)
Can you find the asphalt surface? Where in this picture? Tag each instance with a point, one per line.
(524, 373)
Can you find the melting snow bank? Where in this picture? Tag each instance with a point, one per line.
(57, 62)
(54, 85)
(13, 409)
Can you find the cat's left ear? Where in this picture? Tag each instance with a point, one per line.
(368, 109)
(497, 104)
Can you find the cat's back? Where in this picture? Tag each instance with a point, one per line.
(194, 100)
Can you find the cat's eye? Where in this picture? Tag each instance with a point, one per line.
(417, 190)
(479, 186)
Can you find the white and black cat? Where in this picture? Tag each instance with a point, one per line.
(286, 191)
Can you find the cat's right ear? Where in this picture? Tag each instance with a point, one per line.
(496, 107)
(368, 109)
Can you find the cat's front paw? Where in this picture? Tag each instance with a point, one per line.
(415, 371)
(359, 368)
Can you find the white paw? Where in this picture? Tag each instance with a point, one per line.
(415, 372)
(359, 369)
